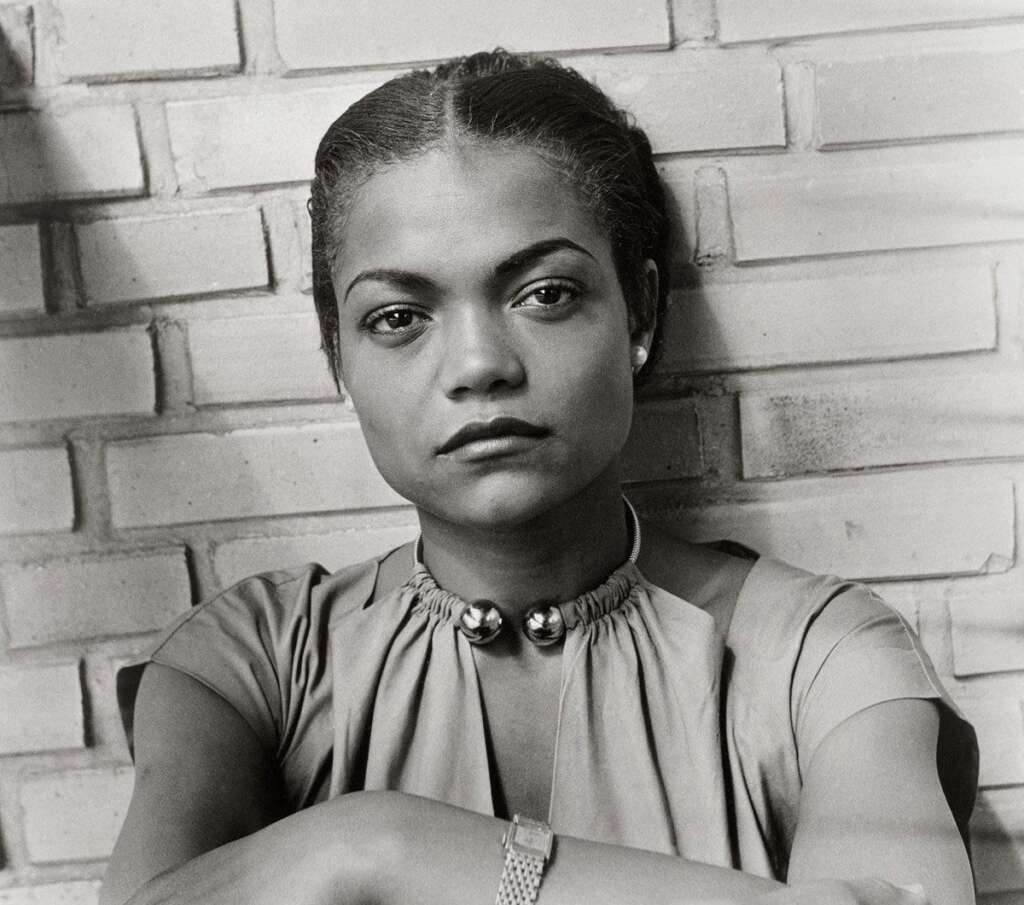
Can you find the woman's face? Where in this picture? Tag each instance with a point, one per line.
(483, 335)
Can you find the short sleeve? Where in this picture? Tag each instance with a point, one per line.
(858, 652)
(242, 645)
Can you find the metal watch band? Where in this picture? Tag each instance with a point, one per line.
(527, 848)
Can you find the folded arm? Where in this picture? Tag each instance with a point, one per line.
(205, 826)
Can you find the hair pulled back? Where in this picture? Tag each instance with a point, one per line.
(512, 100)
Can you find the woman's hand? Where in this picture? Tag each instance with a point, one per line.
(863, 891)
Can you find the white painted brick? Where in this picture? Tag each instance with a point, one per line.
(879, 526)
(254, 140)
(259, 472)
(35, 491)
(752, 20)
(678, 176)
(42, 708)
(237, 559)
(16, 57)
(912, 596)
(21, 269)
(987, 629)
(159, 37)
(67, 600)
(77, 375)
(881, 422)
(889, 198)
(933, 632)
(713, 231)
(305, 244)
(230, 361)
(75, 815)
(901, 596)
(664, 443)
(919, 96)
(87, 152)
(693, 20)
(311, 35)
(740, 98)
(877, 315)
(157, 257)
(73, 892)
(997, 838)
(999, 722)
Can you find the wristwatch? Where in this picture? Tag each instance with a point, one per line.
(527, 848)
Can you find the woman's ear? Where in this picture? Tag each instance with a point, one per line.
(644, 337)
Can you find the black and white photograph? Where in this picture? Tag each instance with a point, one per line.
(529, 452)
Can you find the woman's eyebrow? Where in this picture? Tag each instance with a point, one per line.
(403, 279)
(527, 256)
(412, 282)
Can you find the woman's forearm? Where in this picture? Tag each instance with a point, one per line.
(318, 856)
(386, 848)
(441, 854)
(436, 853)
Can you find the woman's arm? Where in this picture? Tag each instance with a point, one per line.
(873, 824)
(202, 828)
(872, 805)
(202, 779)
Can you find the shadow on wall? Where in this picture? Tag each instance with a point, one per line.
(995, 825)
(49, 162)
(655, 451)
(998, 865)
(12, 77)
(40, 175)
(12, 67)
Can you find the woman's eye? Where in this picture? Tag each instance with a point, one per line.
(550, 295)
(391, 321)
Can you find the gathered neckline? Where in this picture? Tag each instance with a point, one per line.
(423, 594)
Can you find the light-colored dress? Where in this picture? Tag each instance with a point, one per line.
(681, 730)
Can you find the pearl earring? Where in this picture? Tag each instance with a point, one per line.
(638, 357)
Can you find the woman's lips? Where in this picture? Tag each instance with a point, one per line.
(496, 437)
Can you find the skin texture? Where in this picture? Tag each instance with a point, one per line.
(445, 320)
(476, 342)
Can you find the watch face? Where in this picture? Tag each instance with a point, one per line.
(533, 836)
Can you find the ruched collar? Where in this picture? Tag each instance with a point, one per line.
(423, 594)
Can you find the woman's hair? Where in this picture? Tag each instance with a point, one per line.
(515, 101)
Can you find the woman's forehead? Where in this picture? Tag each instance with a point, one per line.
(464, 201)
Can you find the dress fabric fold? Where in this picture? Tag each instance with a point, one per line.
(680, 730)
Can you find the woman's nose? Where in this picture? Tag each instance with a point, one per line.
(481, 356)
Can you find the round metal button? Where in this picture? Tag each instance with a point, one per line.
(480, 622)
(544, 625)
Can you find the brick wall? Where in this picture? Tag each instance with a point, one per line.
(843, 385)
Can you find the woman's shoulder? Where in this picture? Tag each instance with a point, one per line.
(243, 642)
(708, 576)
(753, 598)
(308, 591)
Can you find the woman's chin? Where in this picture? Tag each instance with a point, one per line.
(502, 502)
(509, 500)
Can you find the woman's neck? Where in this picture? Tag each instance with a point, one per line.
(556, 556)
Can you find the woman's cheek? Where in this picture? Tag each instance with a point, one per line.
(386, 437)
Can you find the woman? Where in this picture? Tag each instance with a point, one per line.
(674, 722)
